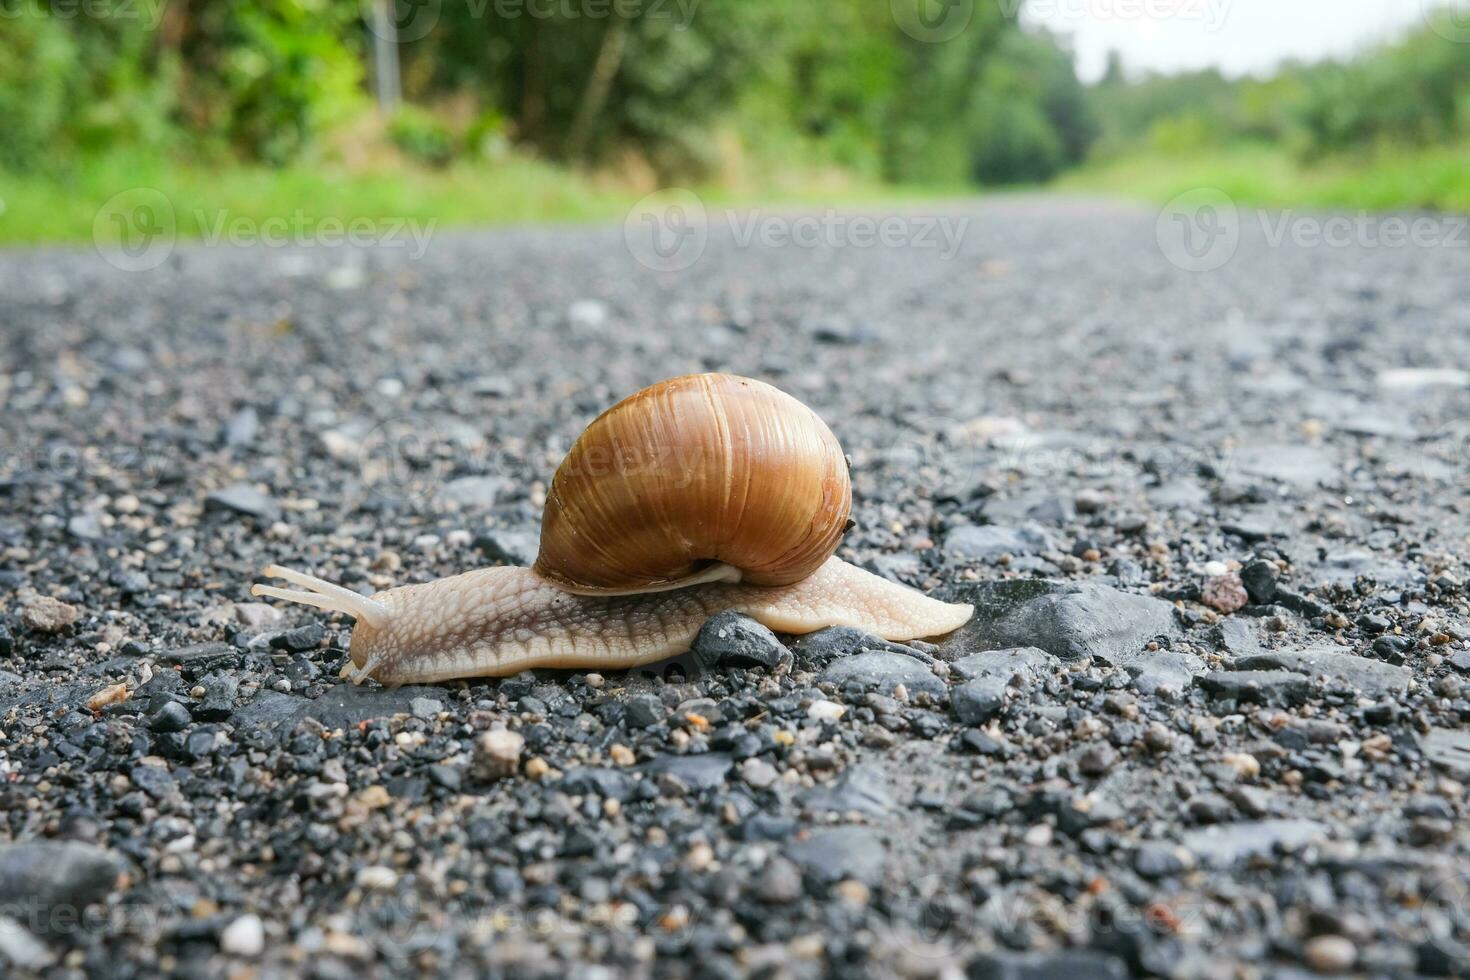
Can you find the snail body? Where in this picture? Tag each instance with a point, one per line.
(697, 495)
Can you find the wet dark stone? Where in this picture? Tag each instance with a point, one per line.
(1372, 677)
(1070, 621)
(53, 882)
(988, 542)
(1276, 687)
(509, 547)
(300, 639)
(1449, 749)
(978, 700)
(730, 639)
(1015, 666)
(1228, 845)
(1259, 578)
(881, 671)
(818, 649)
(347, 704)
(169, 716)
(699, 772)
(644, 711)
(860, 788)
(1063, 965)
(611, 783)
(241, 499)
(828, 856)
(202, 657)
(218, 702)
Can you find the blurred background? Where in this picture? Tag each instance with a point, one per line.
(484, 111)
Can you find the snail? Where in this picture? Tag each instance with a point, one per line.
(699, 494)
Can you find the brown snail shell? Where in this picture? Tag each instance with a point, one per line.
(706, 477)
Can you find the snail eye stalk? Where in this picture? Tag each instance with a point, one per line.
(323, 595)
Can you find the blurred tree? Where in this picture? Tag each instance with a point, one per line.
(584, 82)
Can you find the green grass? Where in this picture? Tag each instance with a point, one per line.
(63, 207)
(82, 203)
(1268, 176)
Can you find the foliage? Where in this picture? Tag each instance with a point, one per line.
(422, 135)
(1031, 119)
(265, 77)
(601, 81)
(1414, 92)
(1258, 174)
(69, 86)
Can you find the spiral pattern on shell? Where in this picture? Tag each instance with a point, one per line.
(693, 472)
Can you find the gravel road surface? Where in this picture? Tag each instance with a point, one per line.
(1207, 492)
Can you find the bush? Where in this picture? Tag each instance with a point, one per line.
(265, 77)
(422, 136)
(36, 58)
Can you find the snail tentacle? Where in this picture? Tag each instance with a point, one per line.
(323, 595)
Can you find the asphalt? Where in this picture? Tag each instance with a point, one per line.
(1208, 496)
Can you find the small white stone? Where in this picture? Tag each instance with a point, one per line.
(340, 446)
(1404, 379)
(1039, 835)
(1245, 765)
(349, 276)
(243, 937)
(498, 754)
(825, 711)
(1330, 954)
(757, 773)
(377, 878)
(589, 313)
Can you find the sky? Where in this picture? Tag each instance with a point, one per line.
(1237, 36)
